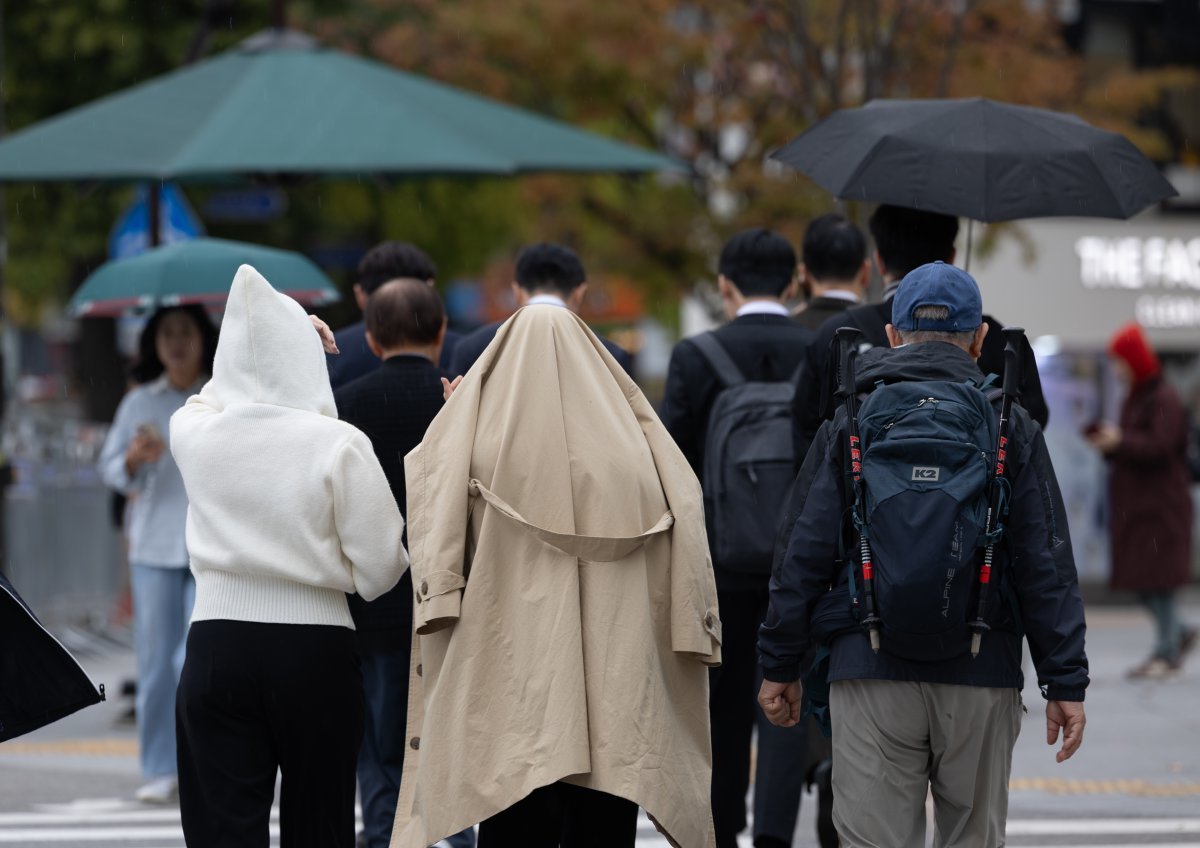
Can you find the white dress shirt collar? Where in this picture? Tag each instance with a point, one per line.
(840, 294)
(546, 300)
(763, 307)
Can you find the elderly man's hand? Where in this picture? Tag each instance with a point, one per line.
(448, 387)
(325, 333)
(1067, 715)
(780, 702)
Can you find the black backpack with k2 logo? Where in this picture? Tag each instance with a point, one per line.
(928, 454)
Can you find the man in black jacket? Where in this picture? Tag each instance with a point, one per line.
(903, 727)
(393, 404)
(834, 270)
(904, 238)
(546, 273)
(389, 260)
(757, 274)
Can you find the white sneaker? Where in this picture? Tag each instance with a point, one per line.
(161, 790)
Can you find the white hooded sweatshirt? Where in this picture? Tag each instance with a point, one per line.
(288, 507)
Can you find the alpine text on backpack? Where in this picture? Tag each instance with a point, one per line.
(748, 463)
(928, 462)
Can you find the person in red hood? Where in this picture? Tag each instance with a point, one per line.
(1150, 505)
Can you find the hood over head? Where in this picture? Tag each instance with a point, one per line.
(1130, 345)
(268, 351)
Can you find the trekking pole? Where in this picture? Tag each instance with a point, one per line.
(1013, 337)
(847, 338)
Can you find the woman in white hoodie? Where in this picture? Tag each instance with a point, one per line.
(289, 510)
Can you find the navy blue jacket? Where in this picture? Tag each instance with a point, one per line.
(1037, 556)
(393, 404)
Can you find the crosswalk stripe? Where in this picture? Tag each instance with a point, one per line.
(1088, 827)
(159, 826)
(27, 836)
(1117, 845)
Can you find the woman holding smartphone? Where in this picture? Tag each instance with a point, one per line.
(175, 360)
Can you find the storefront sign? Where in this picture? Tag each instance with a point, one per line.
(1139, 263)
(1155, 263)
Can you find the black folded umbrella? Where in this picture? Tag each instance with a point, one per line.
(977, 159)
(40, 682)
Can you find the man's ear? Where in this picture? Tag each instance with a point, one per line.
(793, 288)
(864, 274)
(879, 263)
(360, 297)
(574, 300)
(520, 296)
(440, 341)
(977, 343)
(953, 255)
(726, 288)
(893, 336)
(374, 346)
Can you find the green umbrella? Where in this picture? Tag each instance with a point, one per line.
(281, 104)
(196, 271)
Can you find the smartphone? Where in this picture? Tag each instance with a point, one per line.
(149, 430)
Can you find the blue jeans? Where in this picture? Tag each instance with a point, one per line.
(162, 607)
(385, 657)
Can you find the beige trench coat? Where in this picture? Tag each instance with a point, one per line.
(565, 605)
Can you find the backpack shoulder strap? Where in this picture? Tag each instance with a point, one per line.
(716, 355)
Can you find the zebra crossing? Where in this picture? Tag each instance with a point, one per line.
(122, 824)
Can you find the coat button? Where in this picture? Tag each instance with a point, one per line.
(419, 669)
(415, 743)
(424, 587)
(708, 620)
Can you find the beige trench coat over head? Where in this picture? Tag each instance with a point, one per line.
(566, 611)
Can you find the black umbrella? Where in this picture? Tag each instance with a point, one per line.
(40, 682)
(977, 159)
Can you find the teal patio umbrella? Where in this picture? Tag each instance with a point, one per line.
(279, 103)
(196, 271)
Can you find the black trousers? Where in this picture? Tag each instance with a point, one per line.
(565, 815)
(733, 715)
(254, 698)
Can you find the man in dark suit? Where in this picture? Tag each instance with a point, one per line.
(833, 270)
(389, 260)
(904, 239)
(757, 271)
(546, 273)
(393, 404)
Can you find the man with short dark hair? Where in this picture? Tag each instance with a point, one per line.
(904, 239)
(756, 274)
(907, 724)
(389, 260)
(393, 404)
(546, 273)
(834, 269)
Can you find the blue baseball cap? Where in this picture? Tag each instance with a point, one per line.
(938, 284)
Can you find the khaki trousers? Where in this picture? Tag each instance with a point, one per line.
(896, 741)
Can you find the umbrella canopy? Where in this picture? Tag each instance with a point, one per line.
(281, 104)
(196, 271)
(40, 682)
(978, 159)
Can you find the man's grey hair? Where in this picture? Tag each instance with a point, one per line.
(963, 339)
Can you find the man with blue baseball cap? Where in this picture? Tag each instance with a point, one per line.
(908, 721)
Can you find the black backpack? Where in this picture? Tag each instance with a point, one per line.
(928, 459)
(748, 463)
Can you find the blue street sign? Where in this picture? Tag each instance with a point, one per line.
(176, 222)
